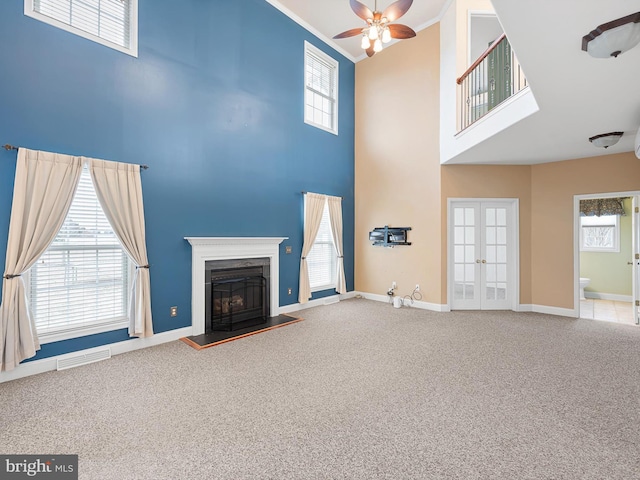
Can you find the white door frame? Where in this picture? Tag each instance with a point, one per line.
(514, 239)
(576, 243)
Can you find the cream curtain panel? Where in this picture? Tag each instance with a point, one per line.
(44, 187)
(335, 217)
(313, 209)
(119, 190)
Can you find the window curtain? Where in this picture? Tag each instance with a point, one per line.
(313, 209)
(119, 190)
(335, 216)
(44, 187)
(602, 206)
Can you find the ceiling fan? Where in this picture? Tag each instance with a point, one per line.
(379, 28)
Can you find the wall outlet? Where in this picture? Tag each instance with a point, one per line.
(287, 249)
(393, 285)
(417, 287)
(288, 291)
(173, 311)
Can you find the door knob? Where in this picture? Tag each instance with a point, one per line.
(484, 261)
(477, 261)
(629, 263)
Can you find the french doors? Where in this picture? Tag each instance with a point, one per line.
(636, 258)
(482, 254)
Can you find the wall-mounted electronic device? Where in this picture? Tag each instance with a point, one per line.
(389, 236)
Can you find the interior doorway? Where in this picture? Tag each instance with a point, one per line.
(607, 256)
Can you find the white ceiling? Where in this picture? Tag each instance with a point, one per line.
(579, 96)
(331, 17)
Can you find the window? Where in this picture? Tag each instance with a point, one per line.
(321, 89)
(600, 234)
(322, 257)
(80, 285)
(113, 23)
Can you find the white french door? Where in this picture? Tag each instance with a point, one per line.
(482, 260)
(635, 251)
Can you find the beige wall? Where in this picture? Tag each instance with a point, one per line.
(491, 181)
(398, 167)
(552, 245)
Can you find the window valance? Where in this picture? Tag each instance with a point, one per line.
(602, 206)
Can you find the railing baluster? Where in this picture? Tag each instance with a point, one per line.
(478, 92)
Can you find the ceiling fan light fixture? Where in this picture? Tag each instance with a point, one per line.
(366, 43)
(386, 35)
(613, 38)
(606, 140)
(377, 46)
(373, 32)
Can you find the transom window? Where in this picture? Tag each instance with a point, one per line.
(600, 234)
(321, 89)
(322, 259)
(109, 22)
(80, 285)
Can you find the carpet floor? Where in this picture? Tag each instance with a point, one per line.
(359, 390)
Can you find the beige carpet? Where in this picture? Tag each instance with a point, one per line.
(359, 390)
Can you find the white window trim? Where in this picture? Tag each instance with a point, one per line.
(29, 11)
(616, 239)
(308, 47)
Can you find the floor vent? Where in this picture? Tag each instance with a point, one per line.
(330, 300)
(84, 359)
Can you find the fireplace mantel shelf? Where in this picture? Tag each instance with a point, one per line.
(224, 248)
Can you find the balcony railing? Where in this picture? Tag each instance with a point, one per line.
(494, 77)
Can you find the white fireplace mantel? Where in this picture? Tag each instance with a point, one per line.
(204, 249)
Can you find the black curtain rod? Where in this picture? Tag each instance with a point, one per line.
(11, 147)
(304, 193)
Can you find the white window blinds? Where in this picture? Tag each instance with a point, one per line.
(108, 20)
(321, 260)
(82, 280)
(321, 89)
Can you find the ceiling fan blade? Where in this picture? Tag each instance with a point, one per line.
(397, 9)
(349, 33)
(370, 52)
(401, 31)
(361, 9)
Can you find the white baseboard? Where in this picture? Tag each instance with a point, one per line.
(296, 307)
(434, 307)
(563, 312)
(524, 308)
(609, 296)
(51, 363)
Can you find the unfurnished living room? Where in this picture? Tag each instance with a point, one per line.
(273, 239)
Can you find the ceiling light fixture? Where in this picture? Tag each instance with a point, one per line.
(613, 38)
(606, 140)
(379, 29)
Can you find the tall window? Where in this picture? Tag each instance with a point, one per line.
(80, 285)
(322, 258)
(600, 234)
(321, 89)
(109, 22)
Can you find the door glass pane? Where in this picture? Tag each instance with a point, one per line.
(458, 235)
(491, 235)
(458, 216)
(502, 235)
(469, 291)
(458, 255)
(469, 235)
(501, 292)
(470, 253)
(459, 273)
(502, 254)
(491, 216)
(490, 291)
(502, 273)
(469, 216)
(490, 273)
(458, 291)
(491, 254)
(470, 272)
(501, 214)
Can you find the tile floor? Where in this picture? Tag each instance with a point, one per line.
(607, 310)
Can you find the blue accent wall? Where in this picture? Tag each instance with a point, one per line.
(213, 104)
